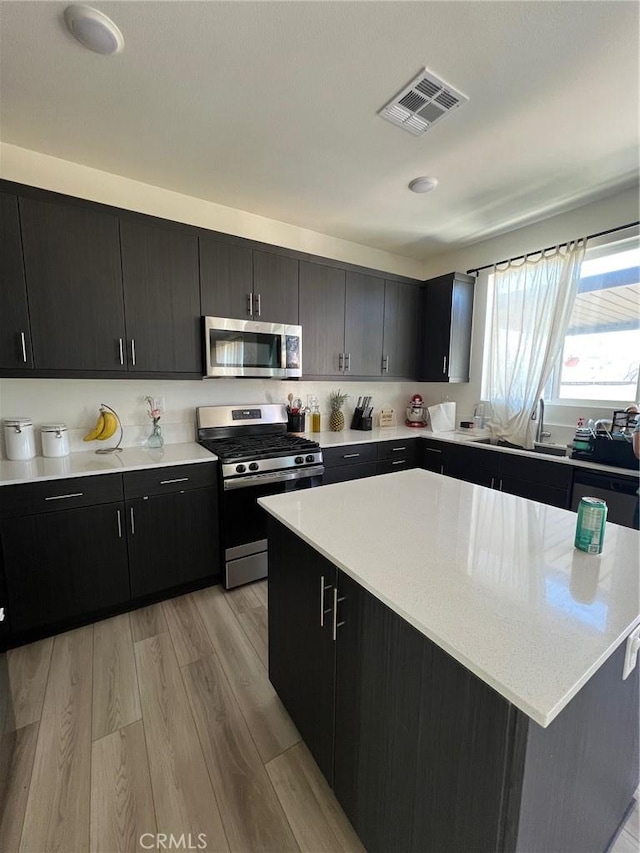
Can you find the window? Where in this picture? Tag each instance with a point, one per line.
(601, 355)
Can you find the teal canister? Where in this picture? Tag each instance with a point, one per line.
(590, 526)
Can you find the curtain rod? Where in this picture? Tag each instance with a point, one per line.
(476, 270)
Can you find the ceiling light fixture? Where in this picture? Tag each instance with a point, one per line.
(423, 185)
(93, 29)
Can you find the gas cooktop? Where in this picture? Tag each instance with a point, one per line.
(248, 447)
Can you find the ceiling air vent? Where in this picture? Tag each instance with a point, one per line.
(422, 103)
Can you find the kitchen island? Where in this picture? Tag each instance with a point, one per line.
(454, 665)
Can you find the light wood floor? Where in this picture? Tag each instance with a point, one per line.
(164, 721)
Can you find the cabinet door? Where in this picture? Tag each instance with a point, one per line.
(301, 646)
(322, 294)
(363, 323)
(433, 456)
(15, 335)
(378, 666)
(534, 491)
(275, 288)
(445, 335)
(74, 284)
(162, 298)
(343, 473)
(472, 465)
(401, 314)
(64, 565)
(226, 276)
(173, 540)
(461, 321)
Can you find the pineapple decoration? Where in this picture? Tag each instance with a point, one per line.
(336, 418)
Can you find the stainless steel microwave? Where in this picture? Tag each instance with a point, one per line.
(251, 348)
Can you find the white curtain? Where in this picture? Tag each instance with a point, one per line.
(530, 311)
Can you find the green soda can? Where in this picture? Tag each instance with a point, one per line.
(592, 516)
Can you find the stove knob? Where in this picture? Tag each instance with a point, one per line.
(240, 469)
(253, 466)
(299, 460)
(310, 458)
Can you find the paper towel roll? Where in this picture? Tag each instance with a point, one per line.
(442, 417)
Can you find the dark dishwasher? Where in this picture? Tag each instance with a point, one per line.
(620, 493)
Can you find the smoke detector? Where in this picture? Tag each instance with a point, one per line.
(422, 103)
(423, 185)
(93, 29)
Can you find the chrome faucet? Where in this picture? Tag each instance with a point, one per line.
(539, 416)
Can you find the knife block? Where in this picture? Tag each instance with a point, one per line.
(358, 421)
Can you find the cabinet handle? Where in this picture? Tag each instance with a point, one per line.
(341, 361)
(432, 450)
(1, 614)
(399, 462)
(62, 497)
(492, 482)
(121, 348)
(256, 305)
(336, 624)
(500, 484)
(133, 521)
(323, 588)
(396, 449)
(442, 469)
(119, 524)
(23, 341)
(385, 364)
(444, 364)
(176, 480)
(350, 455)
(347, 366)
(133, 352)
(249, 305)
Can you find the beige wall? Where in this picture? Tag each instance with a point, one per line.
(51, 173)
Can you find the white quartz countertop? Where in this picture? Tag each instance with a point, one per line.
(491, 578)
(90, 463)
(399, 433)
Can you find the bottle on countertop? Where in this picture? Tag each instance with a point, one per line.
(315, 416)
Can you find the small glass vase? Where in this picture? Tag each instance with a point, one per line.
(155, 439)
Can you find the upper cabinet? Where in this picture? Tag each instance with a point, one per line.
(162, 298)
(401, 314)
(354, 324)
(244, 284)
(15, 335)
(74, 282)
(445, 335)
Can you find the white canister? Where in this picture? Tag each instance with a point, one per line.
(19, 439)
(55, 440)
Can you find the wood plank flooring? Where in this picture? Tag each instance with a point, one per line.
(164, 721)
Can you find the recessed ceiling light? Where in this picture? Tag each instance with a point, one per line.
(423, 185)
(93, 29)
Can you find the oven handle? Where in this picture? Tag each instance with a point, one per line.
(275, 477)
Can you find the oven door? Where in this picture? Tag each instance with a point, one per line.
(244, 348)
(244, 523)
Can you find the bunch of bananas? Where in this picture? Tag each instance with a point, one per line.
(105, 427)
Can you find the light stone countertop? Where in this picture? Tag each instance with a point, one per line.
(399, 433)
(91, 463)
(491, 578)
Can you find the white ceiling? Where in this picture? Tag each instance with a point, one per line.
(270, 107)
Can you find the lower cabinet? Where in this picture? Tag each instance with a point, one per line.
(60, 565)
(173, 539)
(349, 462)
(74, 549)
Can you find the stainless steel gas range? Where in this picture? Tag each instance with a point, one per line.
(258, 457)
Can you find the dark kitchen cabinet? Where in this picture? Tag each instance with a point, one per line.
(397, 455)
(15, 331)
(226, 276)
(173, 540)
(400, 334)
(162, 298)
(322, 295)
(349, 462)
(465, 462)
(275, 288)
(301, 644)
(74, 286)
(363, 324)
(63, 565)
(433, 455)
(445, 333)
(242, 284)
(377, 711)
(172, 525)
